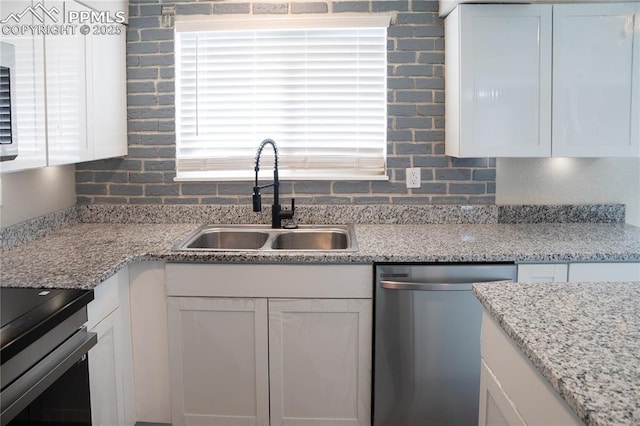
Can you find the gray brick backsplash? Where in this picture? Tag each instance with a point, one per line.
(453, 174)
(164, 189)
(137, 22)
(143, 47)
(350, 6)
(142, 73)
(431, 188)
(415, 133)
(400, 83)
(141, 100)
(317, 7)
(193, 9)
(148, 177)
(413, 96)
(469, 162)
(312, 187)
(412, 148)
(414, 70)
(91, 189)
(400, 31)
(401, 57)
(467, 188)
(430, 161)
(387, 6)
(156, 34)
(429, 31)
(227, 8)
(102, 177)
(115, 189)
(431, 110)
(416, 18)
(270, 8)
(488, 175)
(352, 187)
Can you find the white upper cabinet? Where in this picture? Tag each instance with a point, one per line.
(28, 84)
(596, 80)
(498, 81)
(71, 87)
(66, 93)
(543, 80)
(107, 92)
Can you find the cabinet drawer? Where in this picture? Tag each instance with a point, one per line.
(318, 281)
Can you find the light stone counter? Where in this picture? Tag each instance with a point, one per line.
(584, 338)
(83, 255)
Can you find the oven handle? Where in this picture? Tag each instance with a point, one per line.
(17, 396)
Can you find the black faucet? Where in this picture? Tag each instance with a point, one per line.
(277, 214)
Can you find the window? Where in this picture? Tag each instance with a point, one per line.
(316, 87)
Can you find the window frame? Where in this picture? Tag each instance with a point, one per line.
(252, 22)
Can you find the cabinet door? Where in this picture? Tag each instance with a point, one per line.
(505, 80)
(66, 93)
(106, 92)
(604, 271)
(542, 273)
(218, 359)
(496, 409)
(596, 80)
(29, 91)
(320, 361)
(105, 376)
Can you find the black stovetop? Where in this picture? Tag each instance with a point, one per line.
(28, 313)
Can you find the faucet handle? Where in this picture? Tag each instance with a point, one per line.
(257, 200)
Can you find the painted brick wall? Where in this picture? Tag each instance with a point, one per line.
(415, 107)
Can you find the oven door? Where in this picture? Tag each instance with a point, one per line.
(53, 391)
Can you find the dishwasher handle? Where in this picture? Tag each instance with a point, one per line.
(399, 285)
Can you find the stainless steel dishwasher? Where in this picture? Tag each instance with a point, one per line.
(427, 342)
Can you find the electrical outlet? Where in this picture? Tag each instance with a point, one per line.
(413, 177)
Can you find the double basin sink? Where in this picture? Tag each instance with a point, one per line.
(265, 238)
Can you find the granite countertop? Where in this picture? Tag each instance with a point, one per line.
(83, 255)
(584, 338)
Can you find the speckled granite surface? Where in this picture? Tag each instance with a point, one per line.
(365, 214)
(309, 214)
(592, 213)
(584, 338)
(36, 228)
(316, 214)
(85, 254)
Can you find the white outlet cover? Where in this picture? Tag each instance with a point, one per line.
(413, 177)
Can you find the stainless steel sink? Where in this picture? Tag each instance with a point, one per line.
(265, 238)
(229, 240)
(332, 239)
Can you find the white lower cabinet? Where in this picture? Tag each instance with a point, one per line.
(512, 391)
(542, 272)
(578, 272)
(110, 360)
(219, 361)
(107, 407)
(604, 271)
(320, 361)
(270, 360)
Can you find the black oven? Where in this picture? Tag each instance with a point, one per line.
(44, 350)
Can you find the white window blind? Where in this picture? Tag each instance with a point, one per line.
(319, 92)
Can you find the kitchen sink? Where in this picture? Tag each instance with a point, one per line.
(303, 239)
(221, 239)
(265, 238)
